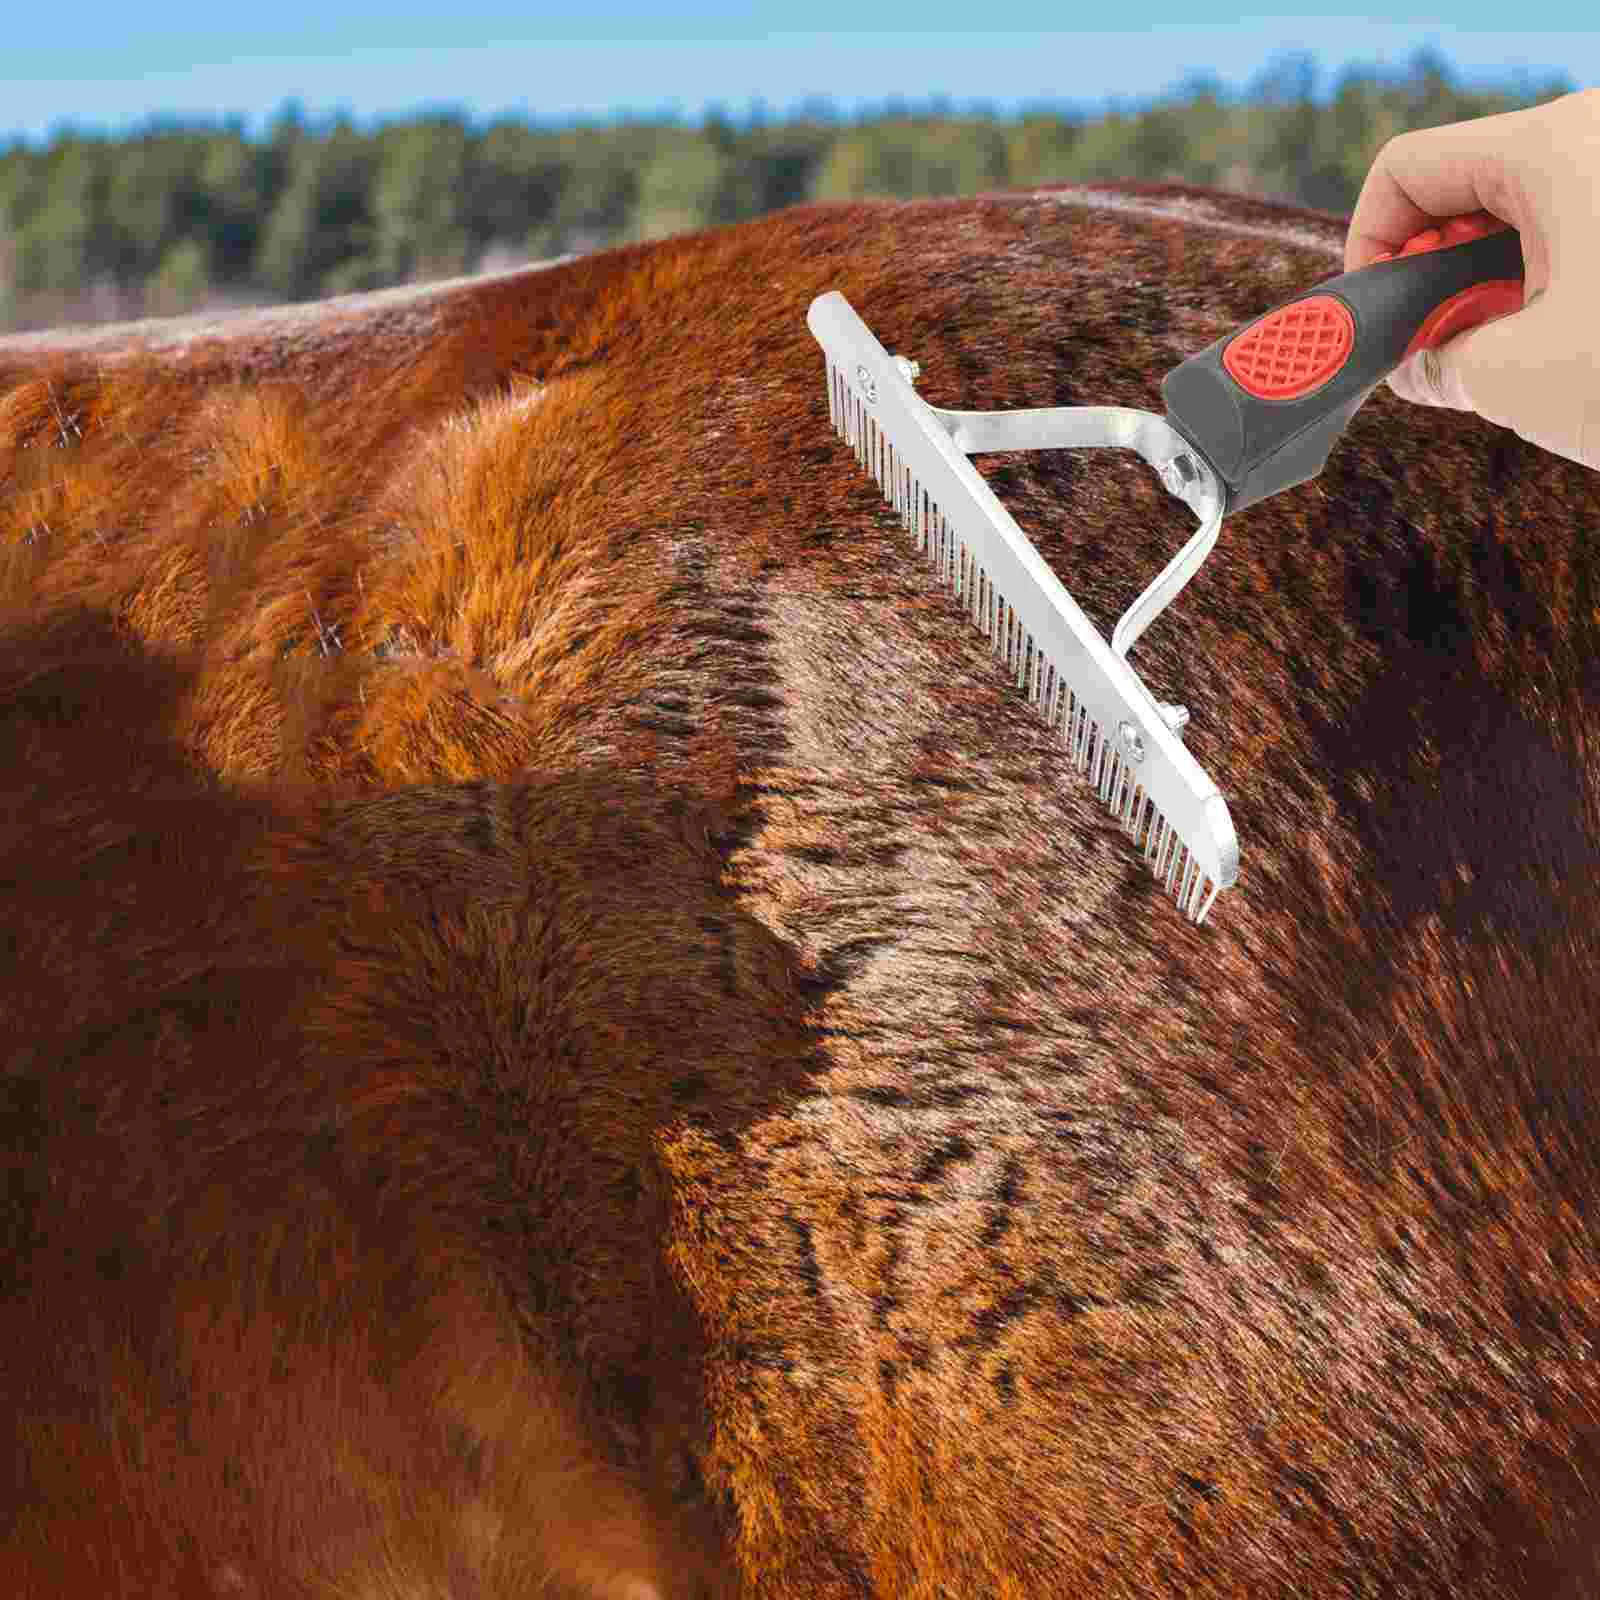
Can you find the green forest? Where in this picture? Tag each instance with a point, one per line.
(178, 217)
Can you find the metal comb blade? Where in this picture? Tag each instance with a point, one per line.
(1120, 737)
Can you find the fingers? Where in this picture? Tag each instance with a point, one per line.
(1523, 372)
(1534, 168)
(1528, 373)
(1432, 173)
(1423, 380)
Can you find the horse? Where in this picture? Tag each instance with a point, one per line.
(571, 1032)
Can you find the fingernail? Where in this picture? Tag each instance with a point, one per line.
(1431, 376)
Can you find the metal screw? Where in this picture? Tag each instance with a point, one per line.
(909, 369)
(866, 383)
(1132, 741)
(1179, 473)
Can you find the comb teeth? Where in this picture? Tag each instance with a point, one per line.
(1100, 758)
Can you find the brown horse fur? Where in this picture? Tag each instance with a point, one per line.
(567, 1033)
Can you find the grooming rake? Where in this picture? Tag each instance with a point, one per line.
(1255, 413)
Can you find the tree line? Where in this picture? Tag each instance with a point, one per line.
(180, 217)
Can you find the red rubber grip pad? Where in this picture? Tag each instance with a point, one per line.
(1293, 350)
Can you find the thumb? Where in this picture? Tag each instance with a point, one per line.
(1525, 372)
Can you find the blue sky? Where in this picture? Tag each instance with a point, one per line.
(104, 66)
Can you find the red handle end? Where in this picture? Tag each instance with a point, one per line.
(1483, 302)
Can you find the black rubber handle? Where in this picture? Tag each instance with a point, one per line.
(1264, 405)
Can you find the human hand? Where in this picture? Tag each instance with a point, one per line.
(1536, 371)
